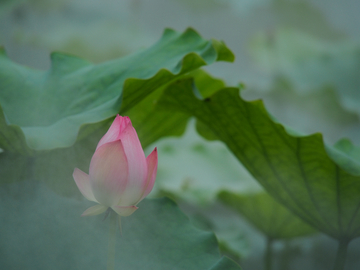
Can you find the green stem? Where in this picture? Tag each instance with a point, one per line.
(341, 255)
(268, 254)
(112, 241)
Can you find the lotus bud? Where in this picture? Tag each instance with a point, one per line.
(119, 175)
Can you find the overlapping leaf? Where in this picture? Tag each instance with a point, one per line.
(153, 123)
(47, 108)
(296, 170)
(157, 236)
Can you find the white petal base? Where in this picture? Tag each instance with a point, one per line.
(124, 210)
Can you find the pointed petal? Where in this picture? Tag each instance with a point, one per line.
(116, 128)
(137, 166)
(124, 210)
(152, 162)
(83, 183)
(94, 210)
(109, 173)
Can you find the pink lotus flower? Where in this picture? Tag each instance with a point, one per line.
(119, 176)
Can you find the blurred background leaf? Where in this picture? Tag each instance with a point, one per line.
(310, 63)
(271, 218)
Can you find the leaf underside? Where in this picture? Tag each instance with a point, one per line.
(296, 170)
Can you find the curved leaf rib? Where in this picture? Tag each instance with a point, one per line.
(279, 178)
(309, 187)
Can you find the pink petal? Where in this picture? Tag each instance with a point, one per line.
(83, 183)
(94, 210)
(152, 162)
(116, 128)
(124, 210)
(109, 173)
(137, 166)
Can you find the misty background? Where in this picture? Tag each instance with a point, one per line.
(271, 40)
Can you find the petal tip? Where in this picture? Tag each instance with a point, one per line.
(94, 210)
(76, 171)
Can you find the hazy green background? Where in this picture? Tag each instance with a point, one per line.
(269, 38)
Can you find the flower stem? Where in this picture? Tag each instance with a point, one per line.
(341, 255)
(268, 254)
(112, 241)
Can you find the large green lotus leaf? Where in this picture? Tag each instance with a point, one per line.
(296, 170)
(50, 106)
(310, 63)
(266, 214)
(45, 231)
